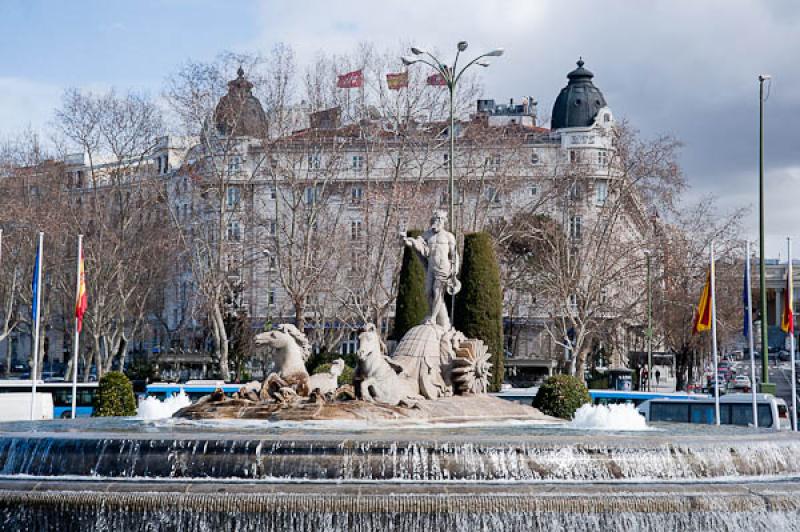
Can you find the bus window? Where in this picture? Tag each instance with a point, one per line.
(669, 412)
(702, 413)
(742, 414)
(765, 416)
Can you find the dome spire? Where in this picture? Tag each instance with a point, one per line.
(577, 103)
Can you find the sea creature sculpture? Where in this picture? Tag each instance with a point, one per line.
(291, 352)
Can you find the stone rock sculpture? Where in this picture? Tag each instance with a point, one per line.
(327, 382)
(437, 249)
(291, 352)
(380, 378)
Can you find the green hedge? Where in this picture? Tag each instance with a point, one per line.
(561, 396)
(479, 304)
(114, 396)
(412, 303)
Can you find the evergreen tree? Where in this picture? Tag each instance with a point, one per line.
(479, 304)
(412, 303)
(114, 396)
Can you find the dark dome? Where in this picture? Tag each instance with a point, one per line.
(577, 103)
(239, 113)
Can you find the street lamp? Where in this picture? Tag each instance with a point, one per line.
(649, 323)
(451, 75)
(762, 262)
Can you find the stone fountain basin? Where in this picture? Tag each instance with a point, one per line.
(406, 450)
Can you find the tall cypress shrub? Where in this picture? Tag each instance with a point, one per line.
(412, 304)
(479, 304)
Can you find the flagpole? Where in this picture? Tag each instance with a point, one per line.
(750, 339)
(37, 302)
(714, 337)
(790, 301)
(77, 332)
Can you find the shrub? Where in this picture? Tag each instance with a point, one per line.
(561, 396)
(412, 303)
(345, 378)
(479, 304)
(114, 396)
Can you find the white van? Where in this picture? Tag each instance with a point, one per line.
(734, 409)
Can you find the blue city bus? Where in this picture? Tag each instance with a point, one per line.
(61, 393)
(599, 397)
(194, 389)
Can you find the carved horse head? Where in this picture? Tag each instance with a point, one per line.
(290, 344)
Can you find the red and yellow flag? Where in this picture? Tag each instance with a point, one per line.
(702, 320)
(81, 301)
(787, 318)
(397, 81)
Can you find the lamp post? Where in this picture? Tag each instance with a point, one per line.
(762, 261)
(451, 75)
(649, 324)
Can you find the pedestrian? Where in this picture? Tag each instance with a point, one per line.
(658, 376)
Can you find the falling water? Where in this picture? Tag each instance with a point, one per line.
(372, 460)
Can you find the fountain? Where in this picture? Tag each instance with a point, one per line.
(416, 444)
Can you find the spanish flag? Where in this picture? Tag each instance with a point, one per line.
(702, 320)
(397, 81)
(787, 318)
(81, 301)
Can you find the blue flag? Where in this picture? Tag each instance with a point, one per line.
(35, 303)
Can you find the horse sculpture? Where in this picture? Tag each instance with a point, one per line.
(291, 352)
(382, 380)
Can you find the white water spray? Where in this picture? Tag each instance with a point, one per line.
(608, 417)
(154, 408)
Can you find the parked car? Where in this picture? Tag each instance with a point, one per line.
(742, 381)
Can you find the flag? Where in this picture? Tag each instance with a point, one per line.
(81, 301)
(397, 81)
(702, 320)
(35, 287)
(351, 80)
(787, 318)
(436, 80)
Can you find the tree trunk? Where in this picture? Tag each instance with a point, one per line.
(9, 355)
(220, 342)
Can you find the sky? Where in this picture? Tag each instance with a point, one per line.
(686, 68)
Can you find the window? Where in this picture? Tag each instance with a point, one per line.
(272, 262)
(234, 233)
(575, 192)
(311, 195)
(606, 118)
(573, 302)
(534, 158)
(493, 163)
(602, 157)
(273, 229)
(356, 194)
(314, 161)
(158, 160)
(600, 192)
(492, 195)
(185, 211)
(574, 156)
(234, 194)
(355, 230)
(575, 226)
(534, 190)
(271, 296)
(234, 165)
(669, 412)
(446, 160)
(166, 164)
(271, 193)
(358, 163)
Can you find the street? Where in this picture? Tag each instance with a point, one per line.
(780, 375)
